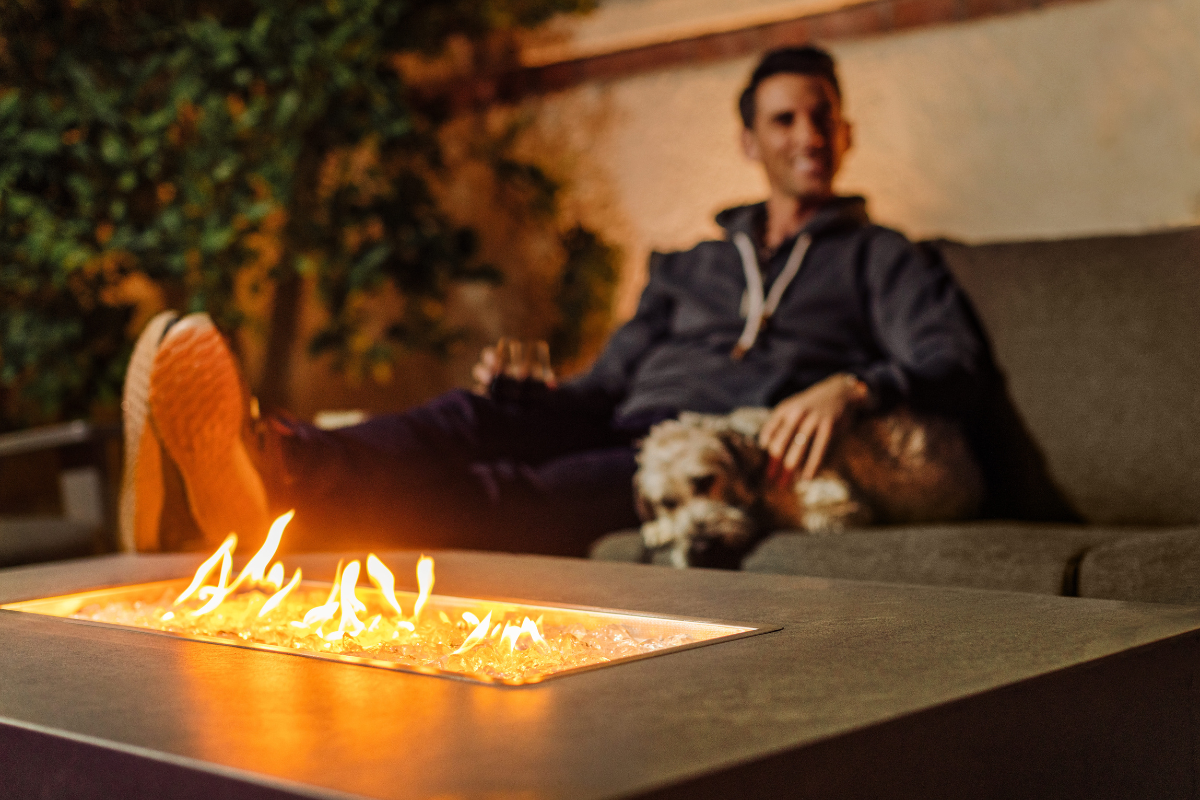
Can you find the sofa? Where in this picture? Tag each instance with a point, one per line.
(1092, 438)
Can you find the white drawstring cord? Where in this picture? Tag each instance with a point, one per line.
(760, 310)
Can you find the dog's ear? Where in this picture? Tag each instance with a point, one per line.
(749, 459)
(644, 511)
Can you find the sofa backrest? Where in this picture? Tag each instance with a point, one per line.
(1099, 339)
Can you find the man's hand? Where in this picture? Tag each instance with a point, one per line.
(801, 426)
(516, 359)
(491, 365)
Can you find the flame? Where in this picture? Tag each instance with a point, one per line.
(530, 627)
(350, 624)
(277, 598)
(477, 635)
(219, 593)
(275, 577)
(257, 565)
(207, 567)
(510, 635)
(324, 612)
(369, 626)
(382, 577)
(424, 583)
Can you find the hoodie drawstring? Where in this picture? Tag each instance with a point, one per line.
(759, 309)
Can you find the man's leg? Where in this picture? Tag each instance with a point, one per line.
(460, 471)
(562, 505)
(184, 409)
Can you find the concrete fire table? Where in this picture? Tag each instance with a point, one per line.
(868, 690)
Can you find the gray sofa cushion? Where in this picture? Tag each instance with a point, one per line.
(1100, 342)
(1024, 557)
(1160, 567)
(1014, 556)
(619, 546)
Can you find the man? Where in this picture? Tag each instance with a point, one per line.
(806, 307)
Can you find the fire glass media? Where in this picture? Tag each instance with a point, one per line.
(490, 641)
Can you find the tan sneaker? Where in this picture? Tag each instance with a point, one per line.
(185, 399)
(141, 499)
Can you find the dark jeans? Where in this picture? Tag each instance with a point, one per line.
(542, 474)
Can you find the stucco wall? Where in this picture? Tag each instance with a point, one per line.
(1070, 120)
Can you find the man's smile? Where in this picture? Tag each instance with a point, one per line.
(814, 165)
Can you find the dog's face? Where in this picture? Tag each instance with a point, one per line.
(695, 488)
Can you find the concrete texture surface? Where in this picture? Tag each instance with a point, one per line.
(868, 690)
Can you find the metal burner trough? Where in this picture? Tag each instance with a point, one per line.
(639, 625)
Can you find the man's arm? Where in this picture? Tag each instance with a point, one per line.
(933, 353)
(629, 344)
(607, 380)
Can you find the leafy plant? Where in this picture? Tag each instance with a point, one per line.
(174, 153)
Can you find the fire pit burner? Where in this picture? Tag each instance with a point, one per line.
(490, 641)
(572, 639)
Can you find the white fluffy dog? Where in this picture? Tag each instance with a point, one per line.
(702, 489)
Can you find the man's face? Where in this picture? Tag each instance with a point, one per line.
(799, 135)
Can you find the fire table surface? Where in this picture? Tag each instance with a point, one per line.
(867, 690)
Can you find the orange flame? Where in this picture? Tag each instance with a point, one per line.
(424, 584)
(257, 565)
(350, 624)
(274, 578)
(325, 612)
(207, 567)
(218, 595)
(277, 598)
(387, 623)
(530, 627)
(477, 635)
(383, 579)
(510, 635)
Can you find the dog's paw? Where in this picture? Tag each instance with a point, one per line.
(823, 491)
(657, 533)
(679, 555)
(828, 505)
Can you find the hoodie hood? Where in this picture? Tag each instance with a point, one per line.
(839, 212)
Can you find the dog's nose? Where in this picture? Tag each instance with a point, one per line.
(711, 551)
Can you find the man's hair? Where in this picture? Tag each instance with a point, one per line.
(805, 60)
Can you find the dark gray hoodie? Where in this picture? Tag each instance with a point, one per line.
(866, 301)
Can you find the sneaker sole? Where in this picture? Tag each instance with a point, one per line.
(197, 409)
(140, 504)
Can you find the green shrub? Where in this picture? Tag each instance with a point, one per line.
(177, 152)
